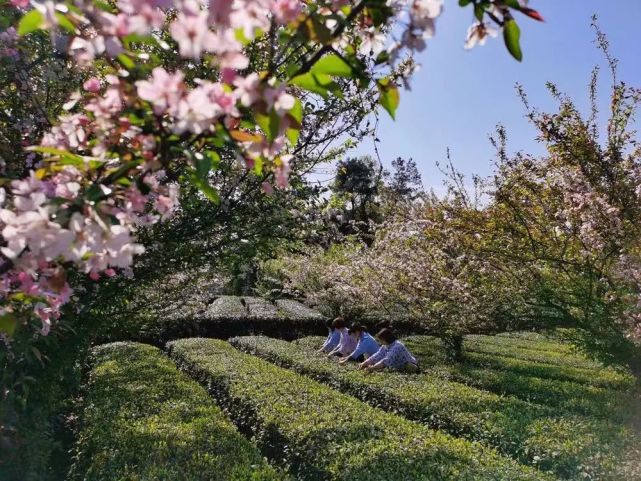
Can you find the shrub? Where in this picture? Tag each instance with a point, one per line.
(486, 344)
(326, 435)
(144, 420)
(526, 340)
(506, 423)
(570, 396)
(261, 309)
(224, 317)
(231, 316)
(601, 378)
(528, 335)
(296, 310)
(227, 308)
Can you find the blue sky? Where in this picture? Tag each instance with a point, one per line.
(458, 96)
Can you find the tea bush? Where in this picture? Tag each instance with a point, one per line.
(564, 357)
(230, 316)
(296, 310)
(569, 396)
(526, 340)
(506, 423)
(144, 420)
(325, 435)
(595, 377)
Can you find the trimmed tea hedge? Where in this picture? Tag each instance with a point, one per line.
(596, 377)
(488, 345)
(226, 308)
(295, 310)
(509, 424)
(527, 335)
(325, 435)
(231, 316)
(261, 309)
(570, 396)
(227, 316)
(144, 420)
(536, 343)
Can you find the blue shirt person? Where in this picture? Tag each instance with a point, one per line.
(366, 344)
(333, 338)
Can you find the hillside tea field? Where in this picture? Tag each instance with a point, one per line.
(517, 407)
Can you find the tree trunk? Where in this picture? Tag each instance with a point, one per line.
(454, 347)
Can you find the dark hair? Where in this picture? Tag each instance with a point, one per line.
(329, 323)
(338, 323)
(386, 335)
(357, 328)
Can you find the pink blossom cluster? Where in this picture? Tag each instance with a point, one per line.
(417, 23)
(73, 209)
(50, 221)
(198, 27)
(584, 211)
(96, 238)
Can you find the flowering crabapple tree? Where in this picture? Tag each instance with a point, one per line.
(566, 225)
(554, 241)
(167, 88)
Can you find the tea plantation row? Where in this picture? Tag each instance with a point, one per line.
(144, 420)
(321, 434)
(568, 446)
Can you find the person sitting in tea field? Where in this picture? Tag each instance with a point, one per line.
(366, 347)
(347, 343)
(333, 338)
(392, 355)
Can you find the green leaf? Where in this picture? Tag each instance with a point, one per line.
(31, 22)
(65, 23)
(382, 57)
(204, 186)
(258, 165)
(214, 157)
(94, 193)
(317, 30)
(479, 12)
(126, 62)
(333, 65)
(8, 323)
(512, 4)
(203, 166)
(269, 124)
(389, 97)
(66, 158)
(321, 84)
(464, 3)
(297, 111)
(292, 135)
(104, 6)
(512, 35)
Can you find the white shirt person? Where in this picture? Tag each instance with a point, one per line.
(392, 355)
